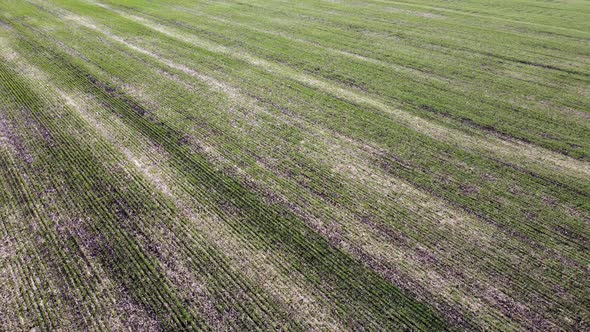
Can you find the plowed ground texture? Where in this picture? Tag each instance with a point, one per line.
(370, 165)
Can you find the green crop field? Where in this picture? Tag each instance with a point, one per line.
(362, 165)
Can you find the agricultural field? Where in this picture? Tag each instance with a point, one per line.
(366, 165)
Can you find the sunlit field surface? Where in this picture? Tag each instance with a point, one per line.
(180, 165)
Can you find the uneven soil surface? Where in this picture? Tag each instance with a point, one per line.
(180, 165)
